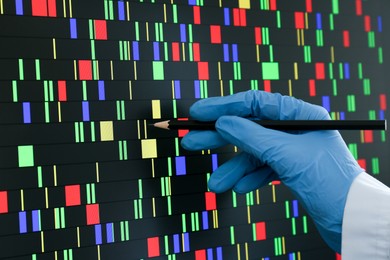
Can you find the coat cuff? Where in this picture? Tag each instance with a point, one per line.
(366, 221)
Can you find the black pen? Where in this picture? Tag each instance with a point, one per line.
(282, 124)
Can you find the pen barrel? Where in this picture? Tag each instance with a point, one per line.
(291, 124)
(324, 124)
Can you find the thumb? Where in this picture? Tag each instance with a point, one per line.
(265, 144)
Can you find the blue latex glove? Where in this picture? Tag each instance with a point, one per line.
(316, 165)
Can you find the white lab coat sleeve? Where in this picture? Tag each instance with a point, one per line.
(366, 221)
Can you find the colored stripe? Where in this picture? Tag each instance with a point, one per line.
(295, 208)
(272, 5)
(346, 40)
(326, 102)
(219, 253)
(180, 165)
(73, 28)
(382, 102)
(93, 216)
(26, 112)
(242, 17)
(320, 70)
(72, 195)
(211, 200)
(312, 87)
(102, 94)
(85, 111)
(156, 51)
(52, 8)
(309, 6)
(346, 71)
(258, 35)
(39, 7)
(35, 220)
(267, 85)
(19, 7)
(175, 51)
(319, 21)
(200, 254)
(186, 242)
(85, 69)
(177, 89)
(209, 254)
(214, 159)
(379, 23)
(135, 51)
(153, 246)
(121, 10)
(367, 23)
(23, 222)
(196, 50)
(368, 136)
(109, 231)
(197, 88)
(100, 29)
(183, 33)
(215, 34)
(226, 16)
(176, 243)
(205, 220)
(98, 234)
(235, 52)
(203, 70)
(196, 11)
(342, 115)
(3, 202)
(359, 9)
(299, 20)
(381, 115)
(225, 52)
(260, 231)
(62, 96)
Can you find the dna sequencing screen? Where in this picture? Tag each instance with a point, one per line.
(84, 176)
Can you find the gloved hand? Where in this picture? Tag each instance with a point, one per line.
(316, 165)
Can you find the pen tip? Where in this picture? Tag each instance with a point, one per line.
(162, 124)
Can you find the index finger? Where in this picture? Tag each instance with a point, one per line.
(259, 104)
